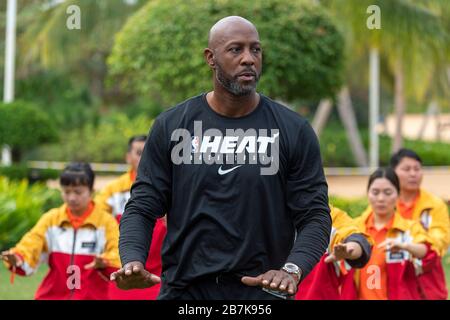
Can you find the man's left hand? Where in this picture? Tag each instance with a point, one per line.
(277, 280)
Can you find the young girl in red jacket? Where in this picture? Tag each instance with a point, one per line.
(78, 240)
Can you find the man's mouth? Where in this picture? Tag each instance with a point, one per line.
(247, 76)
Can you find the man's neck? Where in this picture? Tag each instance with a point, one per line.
(229, 105)
(408, 196)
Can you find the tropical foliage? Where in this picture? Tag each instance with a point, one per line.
(159, 52)
(21, 206)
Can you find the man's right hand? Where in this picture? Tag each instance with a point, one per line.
(134, 276)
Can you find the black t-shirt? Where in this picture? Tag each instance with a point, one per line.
(242, 195)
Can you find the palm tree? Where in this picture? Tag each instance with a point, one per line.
(45, 40)
(407, 29)
(423, 36)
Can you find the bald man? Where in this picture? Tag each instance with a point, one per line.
(241, 180)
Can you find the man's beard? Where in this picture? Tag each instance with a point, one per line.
(231, 84)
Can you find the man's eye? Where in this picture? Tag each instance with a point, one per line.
(235, 49)
(256, 50)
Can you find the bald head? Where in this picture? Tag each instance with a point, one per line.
(226, 28)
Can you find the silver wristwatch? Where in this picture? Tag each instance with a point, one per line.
(292, 269)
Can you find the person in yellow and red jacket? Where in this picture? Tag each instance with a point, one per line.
(348, 247)
(78, 239)
(390, 273)
(432, 212)
(113, 199)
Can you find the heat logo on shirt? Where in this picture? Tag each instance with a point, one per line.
(237, 147)
(195, 144)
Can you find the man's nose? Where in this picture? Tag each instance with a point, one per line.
(248, 58)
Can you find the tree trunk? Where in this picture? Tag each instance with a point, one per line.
(6, 156)
(431, 110)
(399, 105)
(322, 114)
(448, 73)
(374, 107)
(348, 118)
(437, 116)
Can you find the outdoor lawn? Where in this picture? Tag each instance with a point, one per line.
(23, 287)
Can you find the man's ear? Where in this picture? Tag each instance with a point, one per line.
(209, 57)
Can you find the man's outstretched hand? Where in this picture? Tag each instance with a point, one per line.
(134, 276)
(276, 280)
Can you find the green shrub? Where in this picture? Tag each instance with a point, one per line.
(24, 126)
(19, 172)
(159, 51)
(14, 172)
(336, 151)
(65, 99)
(43, 174)
(102, 142)
(21, 206)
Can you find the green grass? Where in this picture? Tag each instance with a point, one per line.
(446, 262)
(23, 288)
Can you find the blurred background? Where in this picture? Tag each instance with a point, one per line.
(79, 77)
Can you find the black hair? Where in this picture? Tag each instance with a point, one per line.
(397, 157)
(387, 173)
(77, 174)
(138, 138)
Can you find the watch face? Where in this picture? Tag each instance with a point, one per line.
(290, 267)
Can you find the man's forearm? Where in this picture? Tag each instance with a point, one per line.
(135, 237)
(311, 243)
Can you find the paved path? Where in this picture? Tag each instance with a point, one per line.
(437, 182)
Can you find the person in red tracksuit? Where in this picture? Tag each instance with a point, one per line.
(348, 247)
(113, 199)
(417, 204)
(78, 240)
(390, 273)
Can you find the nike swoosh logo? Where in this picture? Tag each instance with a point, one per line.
(222, 172)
